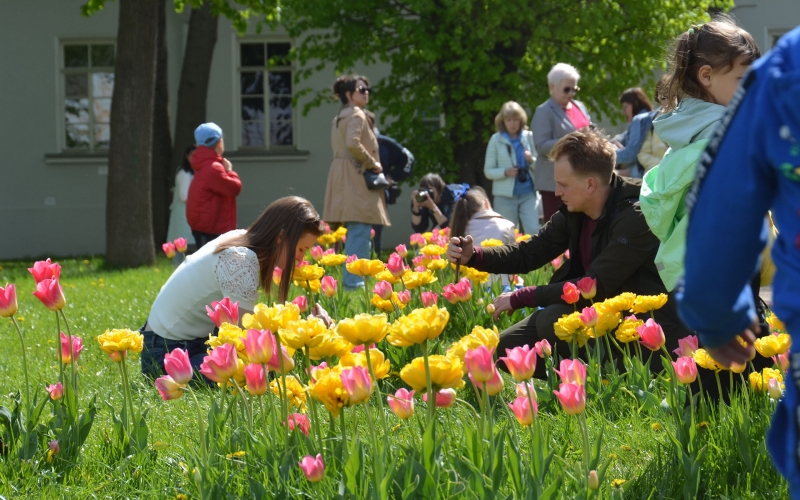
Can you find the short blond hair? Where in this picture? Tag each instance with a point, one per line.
(511, 109)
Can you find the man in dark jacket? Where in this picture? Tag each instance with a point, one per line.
(600, 223)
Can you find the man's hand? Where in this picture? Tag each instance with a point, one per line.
(460, 249)
(377, 168)
(429, 204)
(734, 351)
(228, 165)
(528, 157)
(502, 303)
(511, 172)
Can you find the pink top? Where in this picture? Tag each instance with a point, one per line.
(576, 116)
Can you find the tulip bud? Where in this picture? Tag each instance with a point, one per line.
(594, 482)
(313, 468)
(301, 301)
(56, 391)
(774, 388)
(429, 298)
(181, 244)
(490, 308)
(404, 297)
(169, 249)
(8, 301)
(328, 286)
(401, 250)
(402, 403)
(444, 398)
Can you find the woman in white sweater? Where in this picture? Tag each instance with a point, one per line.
(178, 227)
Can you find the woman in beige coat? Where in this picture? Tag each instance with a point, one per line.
(355, 149)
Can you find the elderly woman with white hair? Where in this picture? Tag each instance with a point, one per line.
(509, 165)
(553, 119)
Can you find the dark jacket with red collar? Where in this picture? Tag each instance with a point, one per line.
(211, 206)
(623, 250)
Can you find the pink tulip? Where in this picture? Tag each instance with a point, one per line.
(566, 254)
(774, 388)
(45, 270)
(259, 346)
(383, 289)
(254, 378)
(357, 383)
(220, 364)
(328, 286)
(429, 298)
(444, 398)
(557, 262)
(419, 260)
(458, 292)
(685, 369)
(314, 370)
(782, 360)
(168, 388)
(651, 335)
(589, 316)
(524, 387)
(686, 346)
(117, 356)
(50, 293)
(178, 366)
(317, 252)
(371, 233)
(181, 244)
(420, 269)
(573, 371)
(404, 297)
(523, 411)
(299, 421)
(521, 362)
(8, 301)
(274, 363)
(587, 287)
(571, 293)
(301, 301)
(494, 385)
(480, 364)
(224, 312)
(572, 397)
(54, 446)
(396, 265)
(326, 227)
(329, 251)
(351, 258)
(543, 348)
(401, 250)
(418, 240)
(277, 274)
(594, 481)
(67, 355)
(55, 391)
(169, 249)
(402, 403)
(313, 468)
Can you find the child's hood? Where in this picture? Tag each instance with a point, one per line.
(693, 120)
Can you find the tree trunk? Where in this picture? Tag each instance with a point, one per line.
(163, 171)
(195, 73)
(129, 228)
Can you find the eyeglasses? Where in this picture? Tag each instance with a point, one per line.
(364, 90)
(568, 90)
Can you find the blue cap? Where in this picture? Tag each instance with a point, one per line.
(207, 134)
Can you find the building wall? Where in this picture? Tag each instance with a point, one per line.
(764, 19)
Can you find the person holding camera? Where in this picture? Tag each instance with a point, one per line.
(433, 202)
(509, 164)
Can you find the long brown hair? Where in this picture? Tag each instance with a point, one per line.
(637, 99)
(718, 44)
(469, 204)
(278, 229)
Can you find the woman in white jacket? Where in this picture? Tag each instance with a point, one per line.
(509, 164)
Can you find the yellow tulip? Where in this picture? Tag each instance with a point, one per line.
(446, 373)
(606, 322)
(427, 235)
(491, 242)
(413, 279)
(331, 345)
(329, 391)
(295, 392)
(380, 365)
(773, 345)
(229, 334)
(569, 328)
(386, 275)
(477, 337)
(704, 360)
(646, 303)
(436, 264)
(418, 326)
(365, 267)
(340, 232)
(271, 318)
(626, 332)
(363, 328)
(775, 323)
(386, 305)
(120, 341)
(327, 240)
(304, 332)
(432, 250)
(621, 302)
(333, 260)
(313, 285)
(759, 381)
(308, 273)
(474, 275)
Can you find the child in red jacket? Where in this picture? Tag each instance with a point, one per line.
(211, 206)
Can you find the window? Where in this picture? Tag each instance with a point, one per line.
(266, 95)
(775, 34)
(88, 72)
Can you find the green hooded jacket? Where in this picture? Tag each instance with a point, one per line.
(687, 129)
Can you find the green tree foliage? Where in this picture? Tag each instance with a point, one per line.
(464, 58)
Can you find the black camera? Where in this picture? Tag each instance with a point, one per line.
(522, 175)
(421, 195)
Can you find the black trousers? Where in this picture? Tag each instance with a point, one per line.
(201, 238)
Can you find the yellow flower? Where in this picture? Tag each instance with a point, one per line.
(474, 275)
(385, 275)
(413, 279)
(607, 321)
(775, 323)
(331, 345)
(308, 273)
(737, 368)
(365, 267)
(380, 365)
(569, 328)
(271, 318)
(626, 332)
(621, 302)
(332, 260)
(313, 285)
(773, 345)
(491, 242)
(328, 390)
(386, 305)
(759, 381)
(229, 334)
(295, 392)
(418, 326)
(617, 483)
(646, 303)
(304, 332)
(656, 426)
(478, 336)
(120, 341)
(363, 328)
(702, 358)
(446, 373)
(522, 237)
(436, 264)
(340, 232)
(235, 454)
(427, 235)
(327, 240)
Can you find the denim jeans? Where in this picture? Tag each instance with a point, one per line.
(524, 209)
(358, 240)
(156, 347)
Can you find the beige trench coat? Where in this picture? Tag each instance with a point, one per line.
(347, 198)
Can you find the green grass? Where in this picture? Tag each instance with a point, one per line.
(640, 452)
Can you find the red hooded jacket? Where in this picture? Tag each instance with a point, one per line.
(211, 206)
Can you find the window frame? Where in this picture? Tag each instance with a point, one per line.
(61, 93)
(238, 121)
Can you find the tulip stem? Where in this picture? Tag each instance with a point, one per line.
(585, 437)
(431, 395)
(380, 398)
(311, 402)
(271, 406)
(24, 368)
(246, 403)
(344, 435)
(59, 351)
(73, 357)
(282, 389)
(377, 467)
(200, 424)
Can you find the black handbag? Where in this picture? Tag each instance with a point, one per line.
(374, 180)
